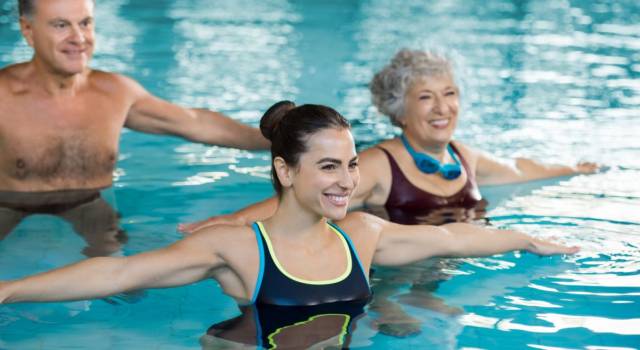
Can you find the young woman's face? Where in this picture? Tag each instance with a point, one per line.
(327, 173)
(431, 110)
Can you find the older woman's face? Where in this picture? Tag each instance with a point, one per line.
(431, 110)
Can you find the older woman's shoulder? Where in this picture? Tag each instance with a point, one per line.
(377, 151)
(469, 153)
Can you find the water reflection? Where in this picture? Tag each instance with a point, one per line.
(288, 327)
(87, 211)
(257, 38)
(437, 216)
(115, 39)
(12, 47)
(560, 322)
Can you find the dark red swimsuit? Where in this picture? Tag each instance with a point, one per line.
(408, 204)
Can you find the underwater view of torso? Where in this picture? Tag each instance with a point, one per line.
(554, 81)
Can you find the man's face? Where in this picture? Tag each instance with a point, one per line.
(61, 33)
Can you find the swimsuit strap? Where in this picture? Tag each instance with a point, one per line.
(471, 176)
(256, 230)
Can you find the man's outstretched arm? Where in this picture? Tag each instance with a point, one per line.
(153, 115)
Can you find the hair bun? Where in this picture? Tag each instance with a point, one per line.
(273, 116)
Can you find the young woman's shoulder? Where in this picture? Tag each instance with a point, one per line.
(229, 239)
(364, 231)
(225, 231)
(359, 223)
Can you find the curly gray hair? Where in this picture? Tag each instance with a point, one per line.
(389, 86)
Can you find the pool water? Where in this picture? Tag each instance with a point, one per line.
(556, 81)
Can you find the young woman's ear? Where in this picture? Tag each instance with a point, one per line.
(283, 171)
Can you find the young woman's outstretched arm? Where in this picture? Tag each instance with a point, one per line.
(186, 261)
(404, 244)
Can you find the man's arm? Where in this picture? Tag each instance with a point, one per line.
(153, 115)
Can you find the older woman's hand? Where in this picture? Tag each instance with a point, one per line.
(586, 167)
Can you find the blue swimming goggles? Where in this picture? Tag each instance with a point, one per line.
(430, 165)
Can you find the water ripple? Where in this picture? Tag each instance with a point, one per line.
(559, 322)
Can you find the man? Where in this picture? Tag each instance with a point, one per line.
(60, 121)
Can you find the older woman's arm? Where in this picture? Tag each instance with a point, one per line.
(493, 171)
(255, 212)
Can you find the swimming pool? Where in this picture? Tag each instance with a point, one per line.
(553, 81)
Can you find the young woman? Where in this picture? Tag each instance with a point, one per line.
(309, 253)
(423, 176)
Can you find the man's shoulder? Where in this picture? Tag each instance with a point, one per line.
(112, 81)
(12, 68)
(108, 77)
(12, 78)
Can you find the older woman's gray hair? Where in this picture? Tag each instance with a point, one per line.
(389, 86)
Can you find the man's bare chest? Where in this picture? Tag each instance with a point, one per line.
(77, 142)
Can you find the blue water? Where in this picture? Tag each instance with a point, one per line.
(556, 81)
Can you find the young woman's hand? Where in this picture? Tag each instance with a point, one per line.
(3, 293)
(545, 248)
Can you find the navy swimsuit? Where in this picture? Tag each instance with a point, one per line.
(276, 287)
(285, 308)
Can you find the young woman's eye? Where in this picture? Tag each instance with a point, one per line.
(328, 167)
(353, 165)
